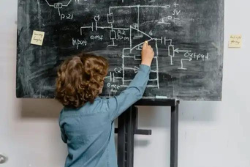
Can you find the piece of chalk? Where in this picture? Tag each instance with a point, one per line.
(161, 97)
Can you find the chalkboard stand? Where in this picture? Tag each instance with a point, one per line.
(128, 127)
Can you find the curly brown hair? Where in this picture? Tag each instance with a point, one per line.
(80, 79)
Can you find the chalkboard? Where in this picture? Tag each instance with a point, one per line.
(187, 38)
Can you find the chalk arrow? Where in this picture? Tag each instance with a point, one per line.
(178, 50)
(190, 59)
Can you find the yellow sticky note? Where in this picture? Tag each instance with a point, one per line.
(235, 41)
(37, 38)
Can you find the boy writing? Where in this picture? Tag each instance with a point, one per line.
(87, 121)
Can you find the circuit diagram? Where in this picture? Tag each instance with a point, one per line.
(134, 36)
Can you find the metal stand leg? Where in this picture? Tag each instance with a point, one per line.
(127, 128)
(126, 124)
(174, 135)
(121, 140)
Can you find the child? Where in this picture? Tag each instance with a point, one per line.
(86, 121)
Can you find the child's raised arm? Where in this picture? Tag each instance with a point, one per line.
(134, 92)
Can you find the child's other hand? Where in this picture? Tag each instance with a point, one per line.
(147, 54)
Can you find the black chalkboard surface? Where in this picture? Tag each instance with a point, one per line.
(187, 37)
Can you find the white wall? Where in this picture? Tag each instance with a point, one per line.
(211, 134)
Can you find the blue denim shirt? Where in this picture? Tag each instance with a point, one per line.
(89, 130)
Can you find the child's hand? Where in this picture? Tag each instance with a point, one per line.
(147, 54)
